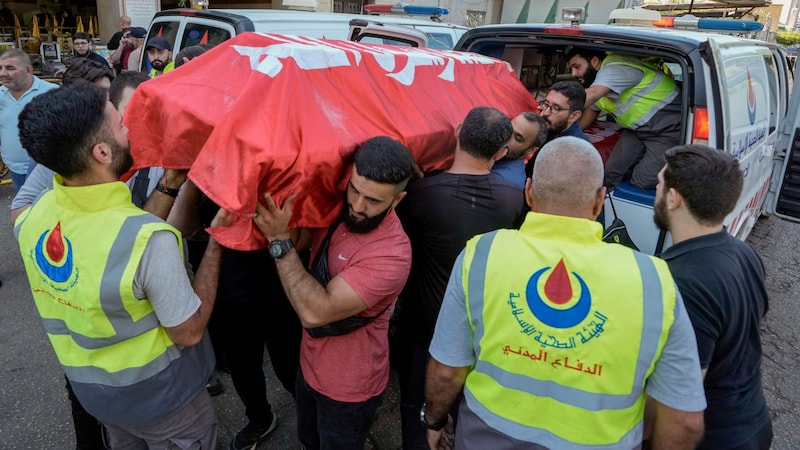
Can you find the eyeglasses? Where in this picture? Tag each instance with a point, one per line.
(553, 107)
(80, 44)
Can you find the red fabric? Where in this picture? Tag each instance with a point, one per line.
(604, 135)
(268, 113)
(355, 366)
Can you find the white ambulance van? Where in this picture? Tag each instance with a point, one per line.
(735, 95)
(187, 27)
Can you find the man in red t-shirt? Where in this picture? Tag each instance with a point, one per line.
(344, 355)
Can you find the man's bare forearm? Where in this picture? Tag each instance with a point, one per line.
(676, 430)
(207, 278)
(443, 385)
(308, 297)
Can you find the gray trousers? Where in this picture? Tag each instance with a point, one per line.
(638, 155)
(194, 427)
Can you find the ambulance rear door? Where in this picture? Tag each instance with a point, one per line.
(752, 91)
(784, 194)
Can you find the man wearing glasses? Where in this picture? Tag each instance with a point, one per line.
(562, 110)
(82, 47)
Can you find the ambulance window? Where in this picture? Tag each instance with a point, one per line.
(195, 34)
(675, 70)
(167, 30)
(384, 40)
(440, 41)
(772, 77)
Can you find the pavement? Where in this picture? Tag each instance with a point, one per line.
(34, 410)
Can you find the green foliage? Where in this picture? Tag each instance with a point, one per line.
(788, 38)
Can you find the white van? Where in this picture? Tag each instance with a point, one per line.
(735, 95)
(187, 27)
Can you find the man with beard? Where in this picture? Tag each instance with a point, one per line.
(642, 98)
(358, 268)
(108, 281)
(20, 86)
(722, 283)
(562, 108)
(82, 46)
(159, 51)
(529, 133)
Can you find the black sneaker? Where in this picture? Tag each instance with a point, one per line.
(249, 437)
(214, 385)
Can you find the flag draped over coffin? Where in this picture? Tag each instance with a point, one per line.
(284, 114)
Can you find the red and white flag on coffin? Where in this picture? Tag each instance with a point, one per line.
(284, 114)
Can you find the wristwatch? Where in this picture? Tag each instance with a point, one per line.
(431, 426)
(165, 190)
(279, 248)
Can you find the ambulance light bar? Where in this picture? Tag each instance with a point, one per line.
(404, 8)
(690, 22)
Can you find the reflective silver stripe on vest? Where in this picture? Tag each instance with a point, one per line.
(110, 297)
(124, 377)
(528, 434)
(653, 311)
(644, 92)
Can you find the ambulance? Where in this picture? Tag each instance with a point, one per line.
(734, 91)
(185, 27)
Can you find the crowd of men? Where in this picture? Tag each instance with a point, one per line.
(506, 333)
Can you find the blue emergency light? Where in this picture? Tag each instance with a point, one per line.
(690, 22)
(403, 8)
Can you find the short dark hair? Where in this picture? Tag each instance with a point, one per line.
(575, 93)
(189, 53)
(130, 79)
(586, 54)
(385, 160)
(59, 128)
(82, 35)
(484, 132)
(541, 137)
(709, 180)
(86, 69)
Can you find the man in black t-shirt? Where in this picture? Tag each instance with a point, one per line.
(439, 214)
(721, 280)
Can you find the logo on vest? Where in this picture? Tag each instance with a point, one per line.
(560, 302)
(53, 256)
(751, 99)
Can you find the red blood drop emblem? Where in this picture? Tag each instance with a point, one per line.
(557, 288)
(55, 245)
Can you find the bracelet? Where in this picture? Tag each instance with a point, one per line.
(165, 190)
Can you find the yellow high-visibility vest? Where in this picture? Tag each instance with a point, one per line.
(637, 105)
(81, 247)
(567, 331)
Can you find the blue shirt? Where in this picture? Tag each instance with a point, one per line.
(511, 171)
(575, 130)
(15, 157)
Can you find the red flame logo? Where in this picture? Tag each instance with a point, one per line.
(557, 288)
(55, 245)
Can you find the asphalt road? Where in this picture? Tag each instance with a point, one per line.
(34, 410)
